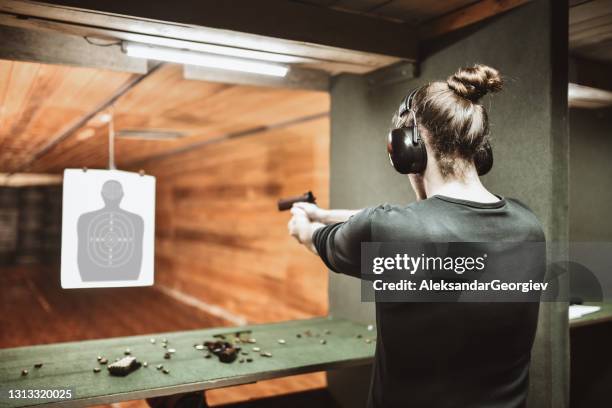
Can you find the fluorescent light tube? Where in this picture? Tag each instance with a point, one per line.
(205, 60)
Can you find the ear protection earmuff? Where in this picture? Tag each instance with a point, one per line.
(406, 149)
(484, 159)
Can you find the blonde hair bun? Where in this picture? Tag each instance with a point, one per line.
(472, 83)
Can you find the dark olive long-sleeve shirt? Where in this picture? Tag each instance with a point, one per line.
(443, 354)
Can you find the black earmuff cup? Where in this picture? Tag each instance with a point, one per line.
(405, 155)
(483, 160)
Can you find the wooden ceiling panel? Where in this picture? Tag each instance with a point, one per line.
(199, 110)
(39, 101)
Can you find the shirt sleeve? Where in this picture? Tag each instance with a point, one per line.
(339, 245)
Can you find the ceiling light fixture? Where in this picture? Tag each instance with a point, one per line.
(203, 59)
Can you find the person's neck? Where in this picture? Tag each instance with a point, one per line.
(466, 187)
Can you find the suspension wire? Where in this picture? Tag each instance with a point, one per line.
(111, 139)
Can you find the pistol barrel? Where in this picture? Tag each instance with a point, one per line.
(285, 204)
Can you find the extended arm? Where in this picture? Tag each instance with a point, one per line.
(338, 244)
(307, 218)
(323, 216)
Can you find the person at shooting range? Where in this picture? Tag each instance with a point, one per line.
(438, 354)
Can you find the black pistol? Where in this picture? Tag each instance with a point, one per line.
(285, 204)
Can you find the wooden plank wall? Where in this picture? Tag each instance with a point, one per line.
(221, 240)
(220, 237)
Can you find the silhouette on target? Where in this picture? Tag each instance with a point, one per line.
(110, 239)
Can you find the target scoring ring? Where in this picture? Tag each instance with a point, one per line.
(110, 239)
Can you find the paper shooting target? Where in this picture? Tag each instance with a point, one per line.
(108, 229)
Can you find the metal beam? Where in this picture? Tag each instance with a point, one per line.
(335, 54)
(54, 48)
(294, 21)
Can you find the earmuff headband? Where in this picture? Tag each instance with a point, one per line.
(406, 104)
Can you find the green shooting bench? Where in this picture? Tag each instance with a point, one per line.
(310, 345)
